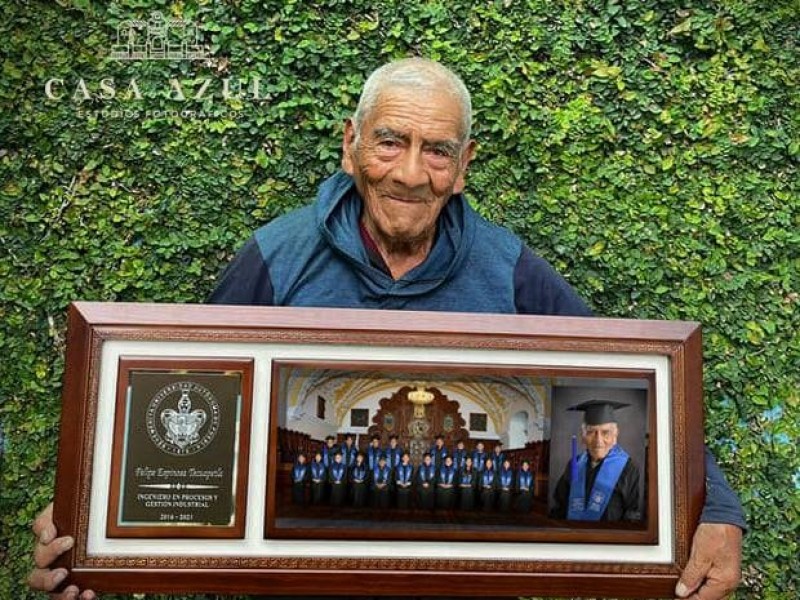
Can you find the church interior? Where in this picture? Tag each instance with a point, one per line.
(314, 403)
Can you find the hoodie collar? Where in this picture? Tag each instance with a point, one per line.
(338, 213)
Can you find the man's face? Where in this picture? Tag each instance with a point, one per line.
(460, 445)
(408, 161)
(393, 443)
(375, 443)
(480, 447)
(330, 443)
(427, 460)
(439, 442)
(301, 459)
(599, 439)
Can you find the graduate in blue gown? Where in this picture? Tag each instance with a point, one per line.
(337, 479)
(381, 483)
(359, 481)
(374, 452)
(479, 457)
(459, 455)
(446, 484)
(505, 486)
(425, 480)
(467, 483)
(487, 484)
(301, 475)
(404, 481)
(319, 476)
(602, 483)
(498, 456)
(349, 451)
(328, 450)
(393, 453)
(438, 452)
(526, 487)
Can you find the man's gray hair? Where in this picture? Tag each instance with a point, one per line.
(416, 74)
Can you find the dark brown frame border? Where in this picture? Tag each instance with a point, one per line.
(92, 324)
(244, 366)
(575, 533)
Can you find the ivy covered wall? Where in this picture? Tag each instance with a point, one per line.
(647, 149)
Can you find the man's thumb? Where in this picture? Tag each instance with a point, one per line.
(691, 578)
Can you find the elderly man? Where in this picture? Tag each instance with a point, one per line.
(394, 231)
(602, 484)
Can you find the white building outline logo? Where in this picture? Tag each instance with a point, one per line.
(159, 38)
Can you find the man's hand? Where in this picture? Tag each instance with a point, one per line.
(49, 548)
(714, 567)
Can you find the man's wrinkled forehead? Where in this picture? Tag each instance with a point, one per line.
(602, 427)
(431, 114)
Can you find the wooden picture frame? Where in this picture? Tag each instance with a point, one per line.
(571, 559)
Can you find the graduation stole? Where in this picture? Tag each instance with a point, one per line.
(300, 472)
(405, 472)
(394, 456)
(488, 477)
(337, 470)
(505, 477)
(525, 478)
(603, 488)
(360, 471)
(318, 470)
(448, 474)
(438, 455)
(426, 473)
(372, 456)
(478, 459)
(459, 456)
(381, 474)
(466, 476)
(327, 454)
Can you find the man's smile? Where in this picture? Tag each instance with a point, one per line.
(405, 199)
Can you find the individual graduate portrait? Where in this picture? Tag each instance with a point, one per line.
(600, 449)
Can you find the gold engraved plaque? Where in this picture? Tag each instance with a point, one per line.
(178, 451)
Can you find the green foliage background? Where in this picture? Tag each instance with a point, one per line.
(648, 149)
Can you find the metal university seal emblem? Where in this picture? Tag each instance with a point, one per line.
(183, 418)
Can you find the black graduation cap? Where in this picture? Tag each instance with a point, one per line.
(597, 412)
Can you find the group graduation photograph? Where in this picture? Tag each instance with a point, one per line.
(403, 451)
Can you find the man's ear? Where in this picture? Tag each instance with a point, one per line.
(466, 158)
(348, 146)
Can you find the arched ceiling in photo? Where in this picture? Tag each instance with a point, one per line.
(346, 389)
